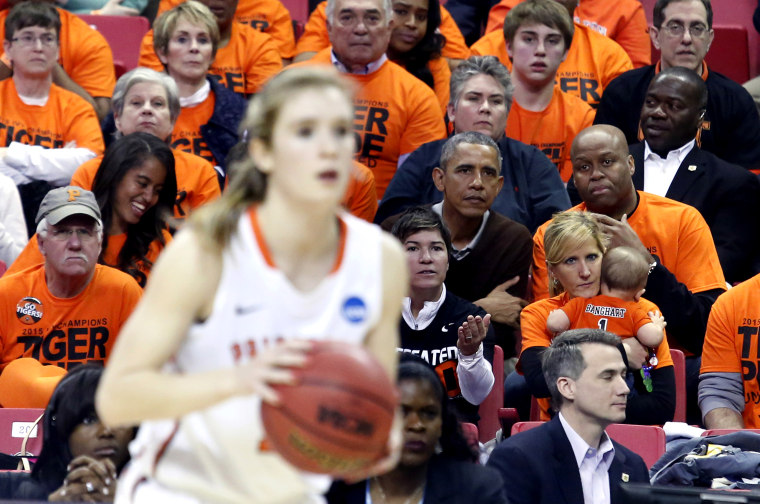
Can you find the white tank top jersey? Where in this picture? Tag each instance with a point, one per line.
(215, 455)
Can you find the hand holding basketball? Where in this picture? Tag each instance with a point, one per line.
(336, 419)
(272, 366)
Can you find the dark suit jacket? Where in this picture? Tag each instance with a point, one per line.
(727, 196)
(538, 467)
(448, 482)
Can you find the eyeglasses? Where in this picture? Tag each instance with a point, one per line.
(676, 30)
(64, 234)
(27, 39)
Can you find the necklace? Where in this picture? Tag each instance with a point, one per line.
(408, 500)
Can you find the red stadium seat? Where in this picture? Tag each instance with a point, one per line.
(124, 34)
(299, 9)
(14, 424)
(646, 440)
(679, 366)
(489, 408)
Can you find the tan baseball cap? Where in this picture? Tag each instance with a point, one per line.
(67, 201)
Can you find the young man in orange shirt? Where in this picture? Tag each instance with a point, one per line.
(622, 20)
(592, 61)
(538, 34)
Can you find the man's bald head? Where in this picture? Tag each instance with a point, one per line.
(603, 170)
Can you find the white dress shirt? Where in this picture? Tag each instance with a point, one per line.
(593, 464)
(659, 172)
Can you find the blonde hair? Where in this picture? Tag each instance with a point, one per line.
(625, 269)
(218, 220)
(193, 12)
(567, 232)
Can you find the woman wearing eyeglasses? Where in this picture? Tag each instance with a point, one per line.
(46, 131)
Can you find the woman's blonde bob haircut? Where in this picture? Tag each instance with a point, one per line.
(247, 184)
(567, 232)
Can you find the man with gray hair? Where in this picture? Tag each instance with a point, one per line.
(395, 112)
(490, 253)
(480, 98)
(571, 458)
(69, 310)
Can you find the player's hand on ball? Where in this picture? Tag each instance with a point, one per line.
(270, 367)
(472, 333)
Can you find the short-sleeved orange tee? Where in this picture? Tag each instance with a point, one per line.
(187, 136)
(534, 334)
(66, 117)
(607, 313)
(63, 331)
(553, 129)
(360, 198)
(732, 342)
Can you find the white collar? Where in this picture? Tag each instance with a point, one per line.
(580, 446)
(427, 313)
(459, 254)
(197, 97)
(680, 153)
(368, 69)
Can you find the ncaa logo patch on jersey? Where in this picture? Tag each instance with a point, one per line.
(29, 310)
(354, 310)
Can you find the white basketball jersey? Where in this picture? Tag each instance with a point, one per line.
(215, 455)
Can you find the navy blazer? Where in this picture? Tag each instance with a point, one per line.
(727, 196)
(538, 467)
(448, 482)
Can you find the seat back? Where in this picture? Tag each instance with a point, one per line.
(299, 9)
(124, 35)
(524, 426)
(14, 424)
(679, 367)
(646, 440)
(489, 408)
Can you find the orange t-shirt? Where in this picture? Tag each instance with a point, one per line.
(608, 313)
(360, 198)
(675, 232)
(84, 54)
(592, 61)
(197, 182)
(623, 21)
(439, 67)
(534, 333)
(268, 16)
(31, 255)
(731, 343)
(315, 37)
(394, 114)
(63, 331)
(248, 60)
(187, 136)
(64, 118)
(553, 129)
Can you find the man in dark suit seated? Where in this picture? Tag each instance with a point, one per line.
(682, 31)
(571, 459)
(669, 163)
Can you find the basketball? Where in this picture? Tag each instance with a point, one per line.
(337, 417)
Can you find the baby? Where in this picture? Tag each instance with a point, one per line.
(617, 309)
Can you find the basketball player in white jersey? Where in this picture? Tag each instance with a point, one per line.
(231, 302)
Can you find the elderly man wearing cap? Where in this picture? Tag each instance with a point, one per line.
(69, 310)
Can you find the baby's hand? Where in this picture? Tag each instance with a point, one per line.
(657, 319)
